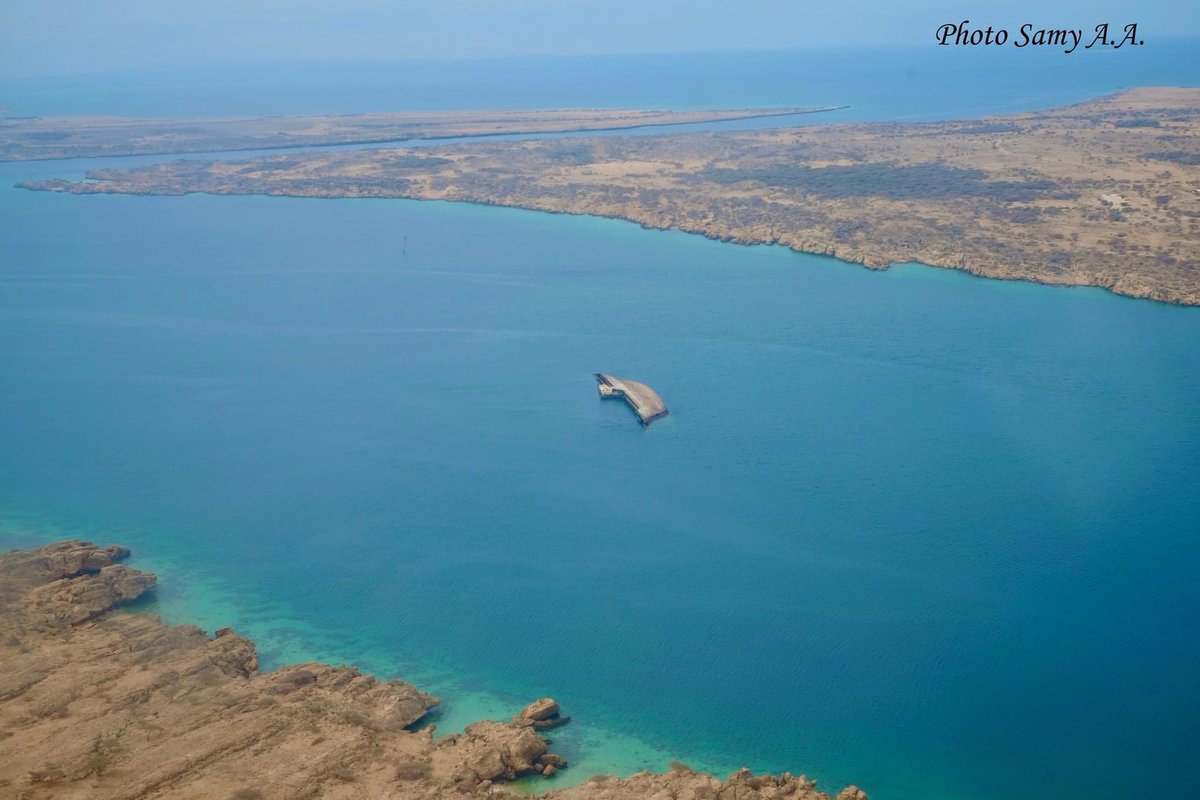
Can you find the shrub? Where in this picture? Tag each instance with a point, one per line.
(355, 717)
(1177, 156)
(412, 770)
(98, 763)
(933, 181)
(50, 774)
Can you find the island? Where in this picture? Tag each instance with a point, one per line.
(1104, 193)
(25, 138)
(100, 703)
(644, 401)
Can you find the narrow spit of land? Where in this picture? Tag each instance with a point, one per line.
(98, 704)
(1104, 193)
(34, 138)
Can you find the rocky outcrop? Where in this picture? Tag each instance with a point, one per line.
(70, 601)
(99, 704)
(67, 559)
(541, 709)
(682, 782)
(492, 751)
(542, 714)
(64, 584)
(120, 706)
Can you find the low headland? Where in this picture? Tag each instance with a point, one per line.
(48, 138)
(1104, 193)
(99, 703)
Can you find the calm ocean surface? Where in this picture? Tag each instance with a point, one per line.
(928, 533)
(884, 83)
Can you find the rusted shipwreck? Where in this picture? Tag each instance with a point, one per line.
(644, 401)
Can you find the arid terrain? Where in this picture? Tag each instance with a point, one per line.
(99, 703)
(1104, 193)
(31, 138)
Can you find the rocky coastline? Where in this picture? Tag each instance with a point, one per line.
(1097, 194)
(99, 703)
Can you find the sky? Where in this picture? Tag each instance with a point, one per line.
(67, 37)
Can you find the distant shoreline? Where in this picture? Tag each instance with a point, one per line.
(1099, 193)
(66, 126)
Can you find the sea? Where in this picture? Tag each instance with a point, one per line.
(927, 533)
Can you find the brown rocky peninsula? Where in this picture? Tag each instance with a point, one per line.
(1104, 193)
(99, 703)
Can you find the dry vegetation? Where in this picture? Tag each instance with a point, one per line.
(1104, 193)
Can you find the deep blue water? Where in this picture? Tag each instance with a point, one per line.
(913, 82)
(928, 533)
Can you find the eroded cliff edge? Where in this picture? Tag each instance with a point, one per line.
(102, 704)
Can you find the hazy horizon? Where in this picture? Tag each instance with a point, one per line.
(71, 38)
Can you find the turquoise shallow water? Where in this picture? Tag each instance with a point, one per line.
(913, 529)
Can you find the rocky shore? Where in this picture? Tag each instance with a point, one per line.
(98, 703)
